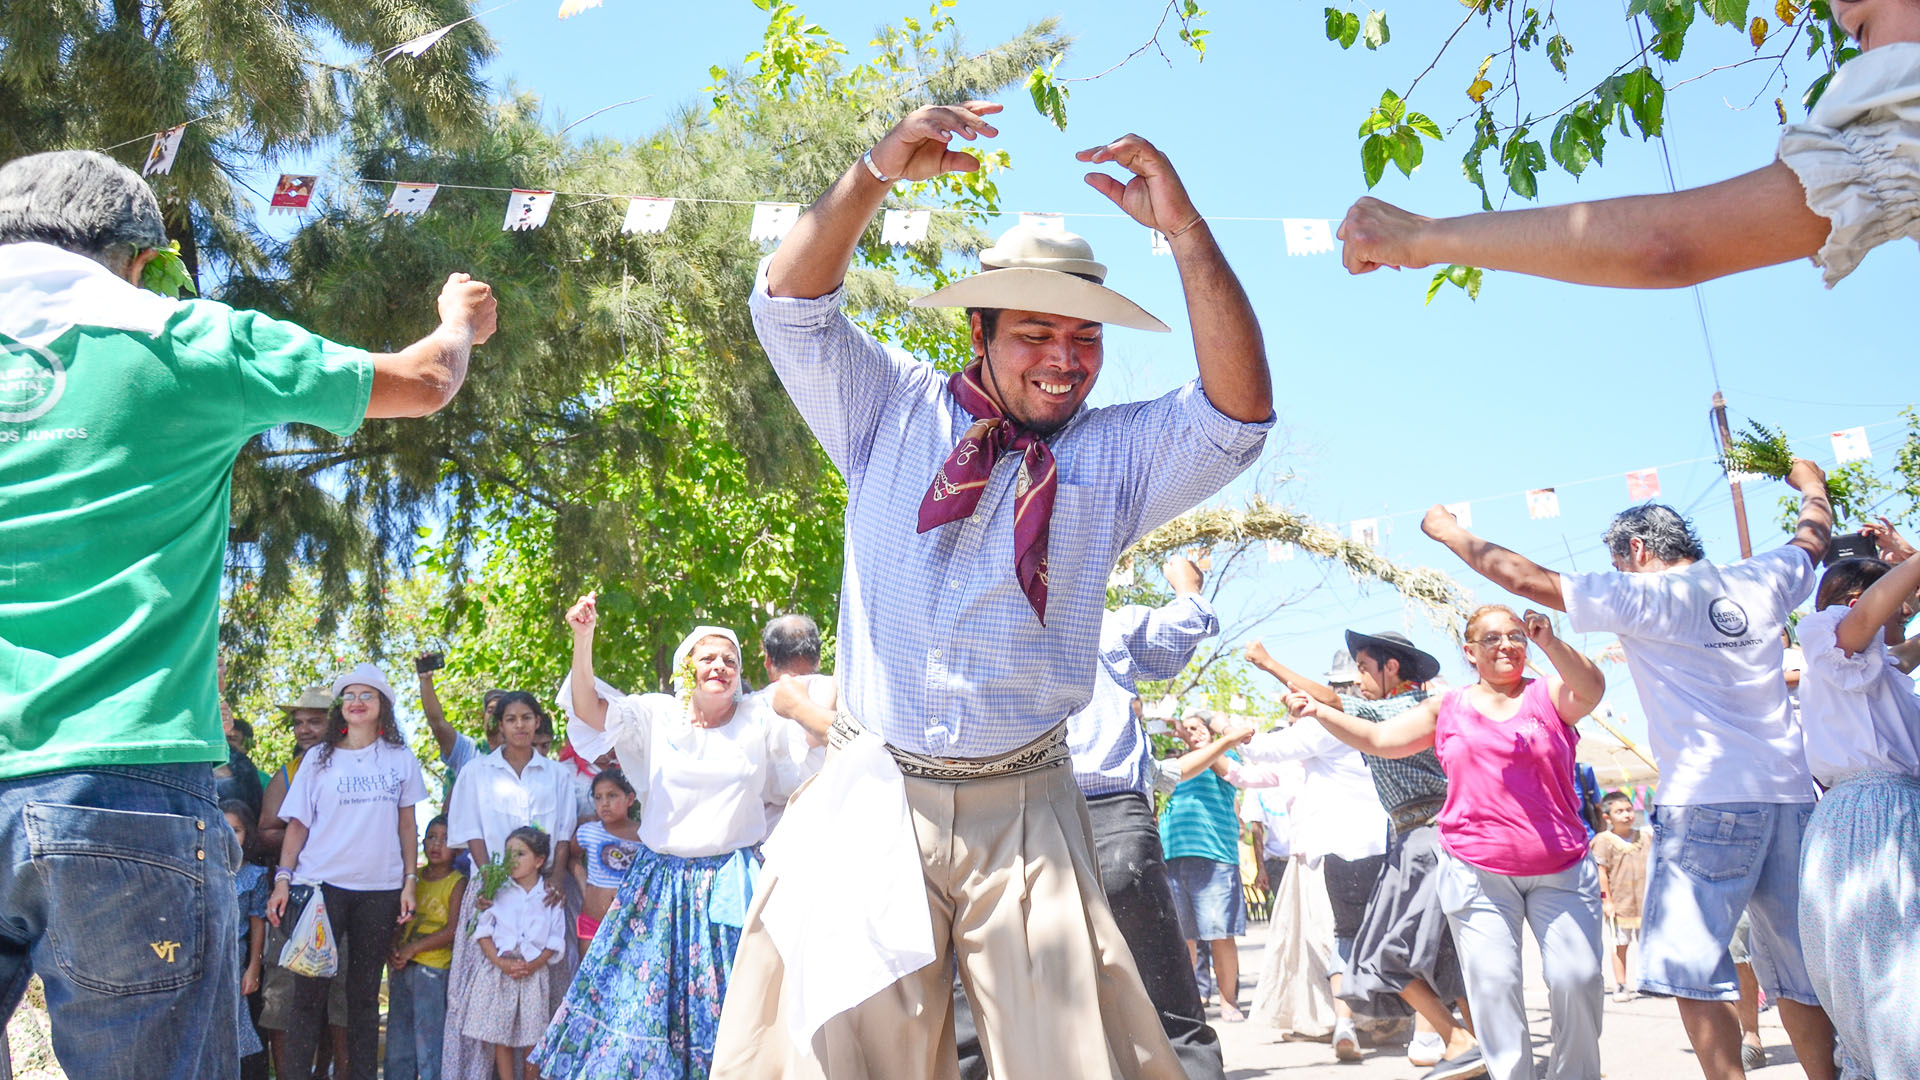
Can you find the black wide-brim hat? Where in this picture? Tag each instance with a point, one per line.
(1415, 666)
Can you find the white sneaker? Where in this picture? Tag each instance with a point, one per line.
(1346, 1045)
(1426, 1049)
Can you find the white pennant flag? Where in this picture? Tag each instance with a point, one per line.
(773, 221)
(647, 215)
(1048, 224)
(1121, 577)
(527, 209)
(1543, 503)
(1462, 512)
(570, 8)
(1308, 236)
(165, 146)
(1851, 445)
(420, 44)
(1366, 532)
(1280, 551)
(902, 227)
(1158, 243)
(411, 198)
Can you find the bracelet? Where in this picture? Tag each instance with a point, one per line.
(867, 160)
(411, 877)
(282, 873)
(1197, 219)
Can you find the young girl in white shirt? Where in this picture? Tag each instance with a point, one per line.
(1860, 870)
(520, 934)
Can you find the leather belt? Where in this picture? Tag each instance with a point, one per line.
(1049, 749)
(1409, 816)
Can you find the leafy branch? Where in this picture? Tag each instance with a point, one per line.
(1050, 93)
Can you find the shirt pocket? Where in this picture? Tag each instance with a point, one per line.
(1721, 845)
(1080, 542)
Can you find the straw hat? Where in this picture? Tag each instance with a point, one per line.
(1031, 268)
(313, 697)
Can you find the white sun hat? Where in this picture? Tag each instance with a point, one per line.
(365, 675)
(1036, 269)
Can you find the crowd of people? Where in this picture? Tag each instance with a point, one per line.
(967, 876)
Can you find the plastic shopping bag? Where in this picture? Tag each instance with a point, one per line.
(311, 949)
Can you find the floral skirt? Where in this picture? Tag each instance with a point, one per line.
(646, 1000)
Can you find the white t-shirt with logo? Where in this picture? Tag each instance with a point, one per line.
(1703, 645)
(351, 808)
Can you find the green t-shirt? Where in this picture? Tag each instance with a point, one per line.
(120, 418)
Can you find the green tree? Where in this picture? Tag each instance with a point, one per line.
(259, 79)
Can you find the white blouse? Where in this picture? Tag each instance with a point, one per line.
(490, 800)
(521, 924)
(1859, 712)
(707, 789)
(1858, 155)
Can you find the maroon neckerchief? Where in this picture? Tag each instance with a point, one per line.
(957, 486)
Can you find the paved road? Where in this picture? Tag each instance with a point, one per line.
(1642, 1039)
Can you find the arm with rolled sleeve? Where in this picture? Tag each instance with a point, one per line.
(1161, 640)
(839, 377)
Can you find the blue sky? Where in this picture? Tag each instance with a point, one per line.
(1385, 406)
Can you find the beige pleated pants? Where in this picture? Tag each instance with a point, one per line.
(1014, 892)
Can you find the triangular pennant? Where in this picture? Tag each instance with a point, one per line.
(1643, 485)
(1462, 512)
(292, 193)
(570, 8)
(411, 198)
(527, 209)
(1044, 223)
(1157, 242)
(1366, 532)
(1308, 236)
(902, 227)
(773, 221)
(165, 146)
(1543, 503)
(1851, 445)
(416, 46)
(647, 215)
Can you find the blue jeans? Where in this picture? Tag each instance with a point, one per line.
(116, 888)
(416, 1020)
(1710, 862)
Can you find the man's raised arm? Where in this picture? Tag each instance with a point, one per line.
(812, 260)
(1227, 343)
(1510, 570)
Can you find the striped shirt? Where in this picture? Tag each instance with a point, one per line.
(939, 650)
(1399, 781)
(1200, 820)
(1110, 748)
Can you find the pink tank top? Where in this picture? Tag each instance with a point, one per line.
(1511, 805)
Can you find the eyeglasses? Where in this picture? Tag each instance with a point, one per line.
(360, 695)
(1494, 641)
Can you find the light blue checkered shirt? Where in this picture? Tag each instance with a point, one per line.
(1110, 748)
(939, 650)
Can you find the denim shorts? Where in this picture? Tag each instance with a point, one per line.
(116, 888)
(1710, 862)
(1208, 897)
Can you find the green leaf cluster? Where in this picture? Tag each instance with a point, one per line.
(1465, 277)
(166, 273)
(1392, 133)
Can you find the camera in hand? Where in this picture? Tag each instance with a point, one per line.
(426, 662)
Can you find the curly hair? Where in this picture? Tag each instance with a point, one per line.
(337, 726)
(1666, 534)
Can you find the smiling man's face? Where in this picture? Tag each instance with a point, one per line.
(1040, 367)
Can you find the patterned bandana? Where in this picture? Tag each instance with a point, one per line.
(957, 487)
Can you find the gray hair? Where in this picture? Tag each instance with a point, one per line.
(82, 201)
(791, 640)
(1666, 535)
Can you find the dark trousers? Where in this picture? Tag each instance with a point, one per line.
(1133, 873)
(365, 922)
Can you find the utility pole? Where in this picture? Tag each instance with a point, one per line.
(1726, 446)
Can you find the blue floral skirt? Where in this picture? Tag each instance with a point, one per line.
(646, 1000)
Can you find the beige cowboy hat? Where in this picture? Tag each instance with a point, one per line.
(1035, 268)
(313, 697)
